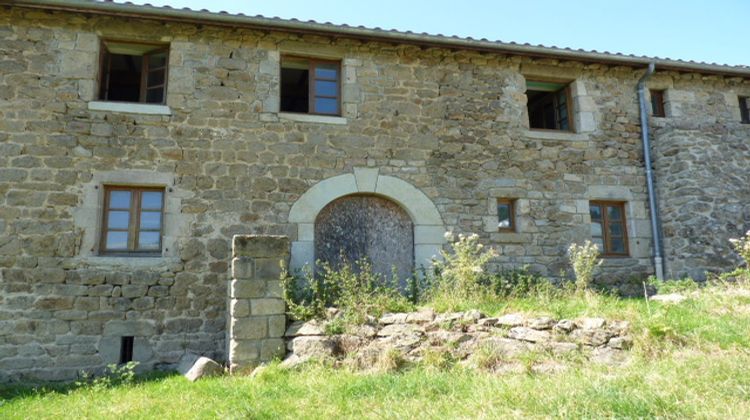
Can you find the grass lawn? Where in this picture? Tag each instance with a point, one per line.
(690, 360)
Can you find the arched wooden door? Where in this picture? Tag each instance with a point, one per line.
(366, 226)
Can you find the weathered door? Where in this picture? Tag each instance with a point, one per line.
(359, 226)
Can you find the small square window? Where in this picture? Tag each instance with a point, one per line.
(133, 72)
(608, 229)
(744, 109)
(549, 105)
(657, 103)
(310, 86)
(506, 214)
(132, 221)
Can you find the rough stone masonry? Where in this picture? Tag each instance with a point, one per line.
(443, 132)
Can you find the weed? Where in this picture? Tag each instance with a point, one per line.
(584, 259)
(355, 289)
(114, 376)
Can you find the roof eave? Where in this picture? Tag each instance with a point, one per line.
(273, 24)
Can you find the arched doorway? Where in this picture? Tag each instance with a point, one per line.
(366, 226)
(428, 229)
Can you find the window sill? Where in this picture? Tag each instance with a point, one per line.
(509, 237)
(312, 118)
(127, 261)
(556, 135)
(128, 107)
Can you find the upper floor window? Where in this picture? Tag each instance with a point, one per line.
(506, 217)
(657, 103)
(608, 229)
(133, 220)
(310, 86)
(549, 105)
(744, 109)
(133, 72)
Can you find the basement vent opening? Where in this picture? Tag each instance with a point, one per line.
(126, 349)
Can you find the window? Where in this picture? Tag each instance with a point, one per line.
(506, 217)
(744, 109)
(657, 103)
(133, 72)
(549, 105)
(133, 219)
(608, 228)
(310, 86)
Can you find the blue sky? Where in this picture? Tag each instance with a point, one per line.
(711, 31)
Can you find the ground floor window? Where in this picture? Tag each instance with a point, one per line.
(608, 229)
(506, 218)
(132, 220)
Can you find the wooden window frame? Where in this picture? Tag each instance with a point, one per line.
(658, 108)
(311, 92)
(569, 104)
(605, 228)
(511, 202)
(744, 102)
(134, 221)
(105, 63)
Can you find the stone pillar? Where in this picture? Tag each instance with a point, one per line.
(257, 319)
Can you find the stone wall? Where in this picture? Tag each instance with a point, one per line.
(257, 313)
(452, 125)
(705, 197)
(465, 338)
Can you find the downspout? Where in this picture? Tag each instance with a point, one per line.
(653, 208)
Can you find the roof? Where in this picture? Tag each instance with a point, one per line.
(167, 13)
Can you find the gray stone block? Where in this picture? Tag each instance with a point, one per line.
(260, 246)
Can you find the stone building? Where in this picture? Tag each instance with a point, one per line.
(136, 141)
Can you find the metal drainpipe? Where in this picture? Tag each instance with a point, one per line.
(653, 208)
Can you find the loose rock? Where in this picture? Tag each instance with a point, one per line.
(194, 367)
(399, 329)
(528, 334)
(511, 320)
(543, 323)
(591, 323)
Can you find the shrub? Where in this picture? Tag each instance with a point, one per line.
(461, 274)
(584, 259)
(742, 246)
(354, 289)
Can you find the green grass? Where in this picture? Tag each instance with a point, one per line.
(690, 360)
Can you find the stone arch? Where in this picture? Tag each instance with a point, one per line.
(429, 229)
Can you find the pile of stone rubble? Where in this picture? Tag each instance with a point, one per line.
(461, 336)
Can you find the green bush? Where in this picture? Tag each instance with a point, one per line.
(354, 289)
(584, 259)
(461, 275)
